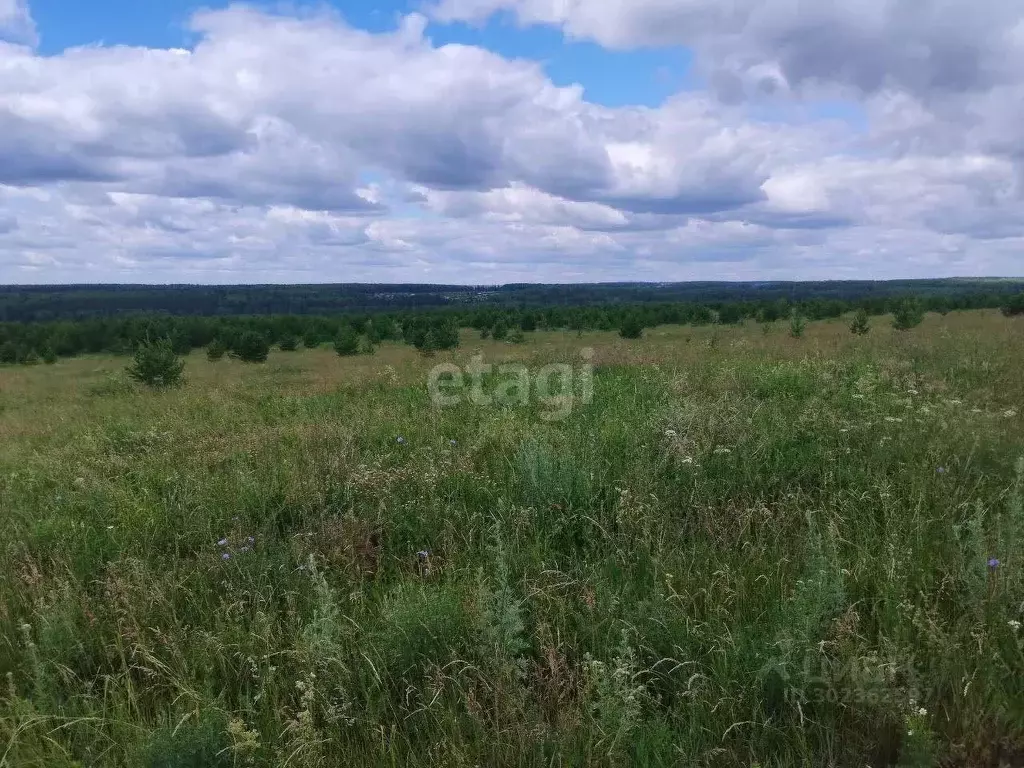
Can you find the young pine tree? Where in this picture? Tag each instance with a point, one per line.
(346, 343)
(860, 326)
(156, 364)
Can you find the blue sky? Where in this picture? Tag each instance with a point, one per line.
(174, 141)
(614, 78)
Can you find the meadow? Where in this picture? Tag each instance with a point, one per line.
(747, 549)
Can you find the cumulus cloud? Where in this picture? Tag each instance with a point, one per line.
(16, 24)
(284, 148)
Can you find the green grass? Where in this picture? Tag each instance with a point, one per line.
(749, 549)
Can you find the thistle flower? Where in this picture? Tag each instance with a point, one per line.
(226, 556)
(400, 440)
(222, 543)
(993, 563)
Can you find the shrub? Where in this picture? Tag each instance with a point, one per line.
(346, 342)
(311, 340)
(156, 365)
(289, 344)
(8, 352)
(1015, 306)
(797, 325)
(251, 347)
(429, 346)
(500, 330)
(516, 337)
(631, 328)
(909, 314)
(31, 358)
(859, 326)
(216, 350)
(48, 355)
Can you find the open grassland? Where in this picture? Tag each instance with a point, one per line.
(748, 549)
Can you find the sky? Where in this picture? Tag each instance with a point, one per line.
(495, 141)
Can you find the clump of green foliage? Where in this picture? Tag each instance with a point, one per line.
(631, 328)
(251, 347)
(797, 325)
(288, 343)
(346, 343)
(909, 314)
(860, 325)
(216, 350)
(155, 364)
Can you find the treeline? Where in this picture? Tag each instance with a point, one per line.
(430, 329)
(79, 302)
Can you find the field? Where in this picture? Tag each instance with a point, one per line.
(746, 549)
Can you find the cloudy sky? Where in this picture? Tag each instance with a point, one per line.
(489, 141)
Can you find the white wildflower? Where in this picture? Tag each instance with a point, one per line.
(922, 712)
(893, 420)
(1014, 624)
(719, 451)
(1010, 413)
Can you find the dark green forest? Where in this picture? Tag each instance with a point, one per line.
(43, 323)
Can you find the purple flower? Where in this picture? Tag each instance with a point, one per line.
(251, 540)
(222, 543)
(941, 470)
(423, 554)
(226, 556)
(247, 549)
(993, 563)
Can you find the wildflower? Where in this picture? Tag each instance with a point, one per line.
(1010, 413)
(423, 554)
(670, 433)
(79, 481)
(251, 540)
(993, 563)
(222, 543)
(246, 549)
(955, 402)
(941, 470)
(110, 527)
(400, 440)
(453, 443)
(226, 556)
(893, 420)
(719, 451)
(687, 460)
(1014, 624)
(922, 712)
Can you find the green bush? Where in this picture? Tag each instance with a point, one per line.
(216, 350)
(346, 343)
(289, 344)
(48, 355)
(631, 328)
(797, 325)
(156, 365)
(860, 326)
(909, 314)
(251, 347)
(8, 352)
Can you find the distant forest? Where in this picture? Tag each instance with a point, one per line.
(48, 322)
(22, 304)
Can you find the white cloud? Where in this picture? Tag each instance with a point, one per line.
(289, 149)
(16, 24)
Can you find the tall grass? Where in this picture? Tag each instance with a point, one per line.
(761, 550)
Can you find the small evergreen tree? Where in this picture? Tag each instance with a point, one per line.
(216, 350)
(797, 325)
(8, 352)
(289, 344)
(500, 330)
(429, 346)
(347, 341)
(156, 365)
(631, 328)
(48, 355)
(447, 335)
(860, 326)
(251, 347)
(311, 340)
(907, 315)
